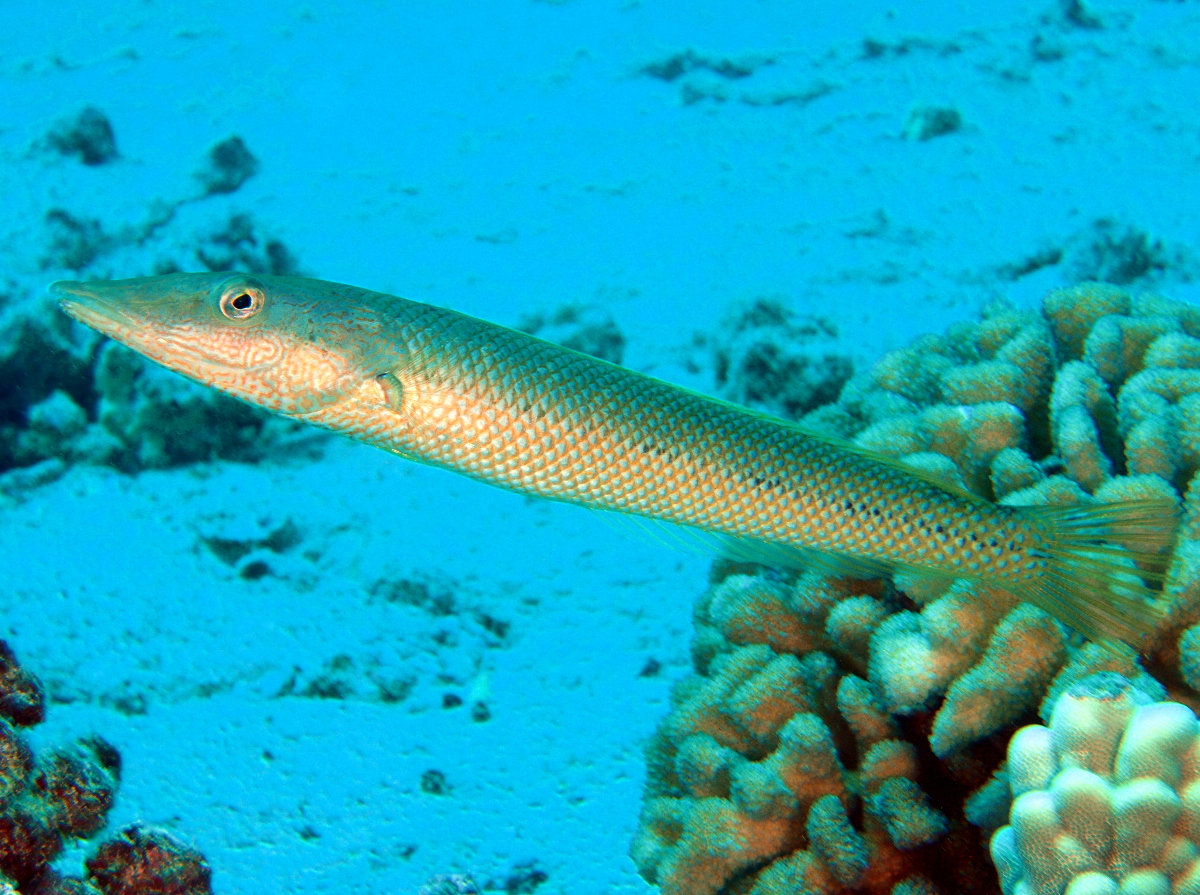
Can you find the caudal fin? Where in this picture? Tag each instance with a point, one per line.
(1101, 560)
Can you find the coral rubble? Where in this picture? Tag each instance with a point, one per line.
(848, 735)
(148, 862)
(67, 395)
(66, 794)
(767, 356)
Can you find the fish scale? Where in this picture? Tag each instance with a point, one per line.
(697, 461)
(512, 410)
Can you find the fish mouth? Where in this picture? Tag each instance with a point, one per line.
(85, 303)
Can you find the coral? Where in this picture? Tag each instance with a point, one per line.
(969, 396)
(236, 247)
(75, 242)
(1106, 797)
(585, 328)
(22, 698)
(228, 165)
(768, 753)
(1071, 314)
(145, 417)
(927, 122)
(67, 794)
(1024, 652)
(1081, 407)
(769, 357)
(64, 396)
(1112, 252)
(98, 402)
(89, 136)
(1095, 398)
(140, 861)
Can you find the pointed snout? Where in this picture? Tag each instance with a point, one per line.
(91, 303)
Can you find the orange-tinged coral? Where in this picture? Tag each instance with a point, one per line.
(895, 437)
(64, 795)
(695, 846)
(1116, 347)
(986, 381)
(1081, 413)
(1072, 312)
(972, 435)
(914, 373)
(1024, 653)
(756, 611)
(756, 741)
(921, 679)
(1014, 470)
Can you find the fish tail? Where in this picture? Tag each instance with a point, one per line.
(1105, 566)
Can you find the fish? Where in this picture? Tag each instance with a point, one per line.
(507, 408)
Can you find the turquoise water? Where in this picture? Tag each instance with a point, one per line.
(317, 726)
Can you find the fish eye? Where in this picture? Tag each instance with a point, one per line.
(242, 299)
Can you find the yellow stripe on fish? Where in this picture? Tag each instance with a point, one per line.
(515, 411)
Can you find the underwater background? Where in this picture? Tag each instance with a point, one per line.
(331, 670)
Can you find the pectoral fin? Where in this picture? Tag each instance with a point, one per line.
(393, 391)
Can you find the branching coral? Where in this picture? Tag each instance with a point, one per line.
(1094, 398)
(750, 764)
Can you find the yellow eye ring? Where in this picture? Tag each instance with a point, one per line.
(242, 300)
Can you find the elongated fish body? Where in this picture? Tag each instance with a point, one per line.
(515, 411)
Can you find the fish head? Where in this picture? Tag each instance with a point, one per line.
(283, 343)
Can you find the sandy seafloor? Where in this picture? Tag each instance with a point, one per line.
(506, 157)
